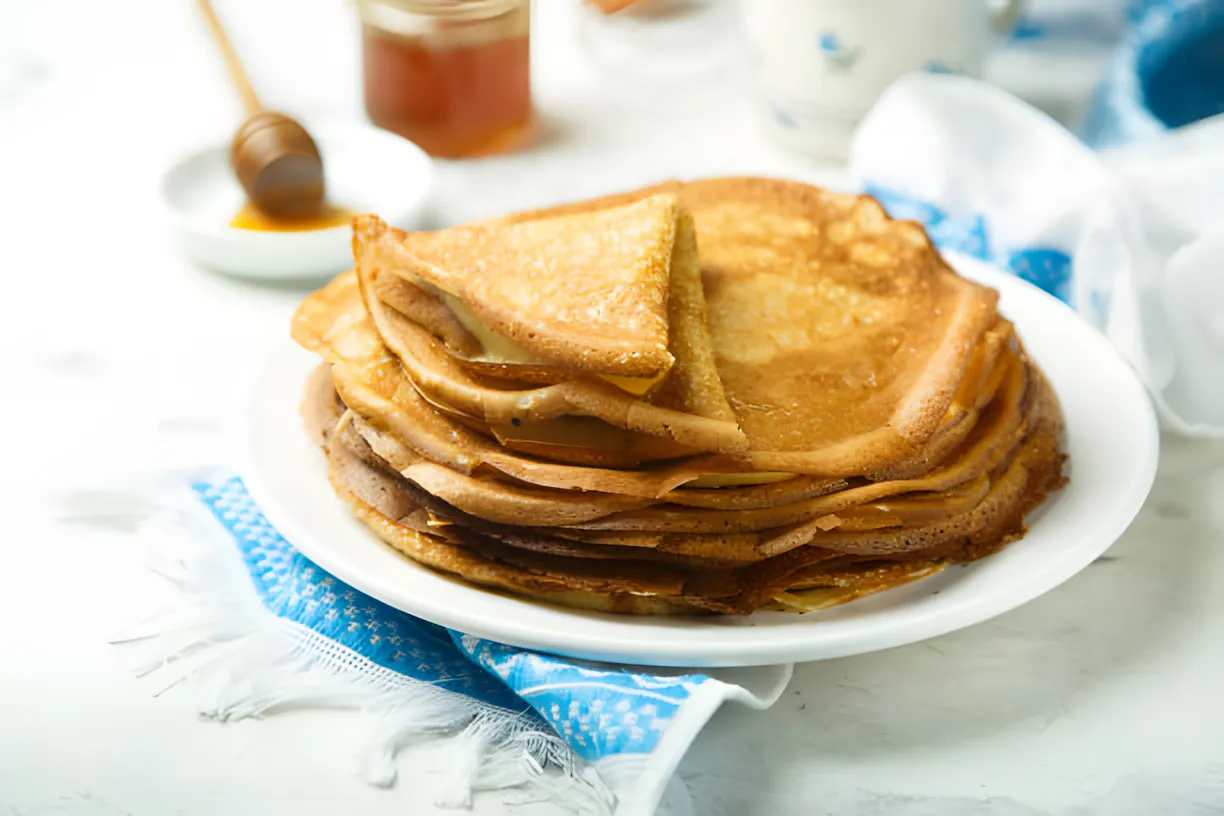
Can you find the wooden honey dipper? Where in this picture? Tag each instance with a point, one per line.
(276, 160)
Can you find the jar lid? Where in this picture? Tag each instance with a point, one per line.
(446, 9)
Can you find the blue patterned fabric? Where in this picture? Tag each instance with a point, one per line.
(598, 711)
(1169, 72)
(1135, 9)
(574, 698)
(965, 234)
(1047, 267)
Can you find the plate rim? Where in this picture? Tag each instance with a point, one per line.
(719, 652)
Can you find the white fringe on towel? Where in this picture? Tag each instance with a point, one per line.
(244, 661)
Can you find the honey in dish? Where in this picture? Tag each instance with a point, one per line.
(329, 215)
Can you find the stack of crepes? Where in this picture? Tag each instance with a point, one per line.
(710, 396)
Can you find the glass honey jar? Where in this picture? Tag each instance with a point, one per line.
(451, 75)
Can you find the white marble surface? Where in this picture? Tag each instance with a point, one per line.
(1100, 698)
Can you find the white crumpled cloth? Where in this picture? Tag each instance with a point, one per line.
(1142, 225)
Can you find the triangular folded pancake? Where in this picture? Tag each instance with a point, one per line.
(410, 310)
(322, 318)
(587, 292)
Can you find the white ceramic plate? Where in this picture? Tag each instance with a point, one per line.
(366, 170)
(1111, 438)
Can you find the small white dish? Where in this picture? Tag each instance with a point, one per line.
(366, 170)
(1111, 437)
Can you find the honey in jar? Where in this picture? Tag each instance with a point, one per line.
(451, 75)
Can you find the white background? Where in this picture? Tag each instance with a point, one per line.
(1103, 697)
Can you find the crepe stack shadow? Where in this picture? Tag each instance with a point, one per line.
(701, 397)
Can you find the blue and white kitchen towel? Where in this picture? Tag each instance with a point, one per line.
(1131, 238)
(265, 629)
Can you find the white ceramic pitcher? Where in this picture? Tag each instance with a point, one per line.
(819, 65)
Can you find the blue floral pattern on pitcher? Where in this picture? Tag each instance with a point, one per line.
(784, 118)
(936, 66)
(839, 58)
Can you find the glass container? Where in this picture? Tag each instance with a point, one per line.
(451, 75)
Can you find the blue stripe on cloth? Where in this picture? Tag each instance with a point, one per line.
(1046, 267)
(293, 588)
(598, 711)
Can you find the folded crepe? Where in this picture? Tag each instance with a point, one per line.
(584, 292)
(602, 309)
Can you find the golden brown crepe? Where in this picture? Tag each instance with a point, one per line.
(584, 291)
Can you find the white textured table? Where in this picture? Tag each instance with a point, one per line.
(1103, 697)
